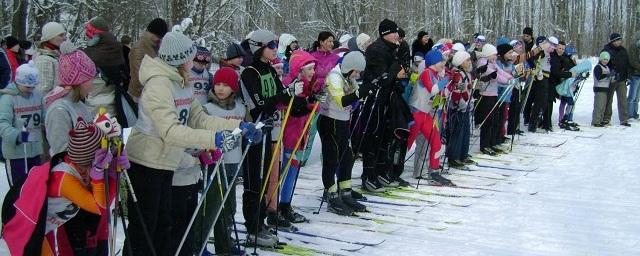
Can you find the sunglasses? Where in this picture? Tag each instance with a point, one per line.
(271, 45)
(203, 58)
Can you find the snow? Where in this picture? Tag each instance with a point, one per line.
(582, 200)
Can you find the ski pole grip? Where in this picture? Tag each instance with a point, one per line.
(259, 125)
(236, 131)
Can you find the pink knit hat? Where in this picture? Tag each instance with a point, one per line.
(74, 66)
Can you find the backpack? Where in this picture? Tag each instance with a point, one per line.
(24, 210)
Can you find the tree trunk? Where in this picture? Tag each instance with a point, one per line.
(19, 21)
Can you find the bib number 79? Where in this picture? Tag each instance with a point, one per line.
(35, 117)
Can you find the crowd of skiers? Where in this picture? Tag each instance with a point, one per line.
(201, 125)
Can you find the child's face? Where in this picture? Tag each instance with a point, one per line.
(355, 75)
(604, 62)
(222, 91)
(438, 66)
(236, 62)
(199, 65)
(308, 72)
(467, 65)
(279, 69)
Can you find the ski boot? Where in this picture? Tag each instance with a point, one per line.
(286, 210)
(372, 185)
(277, 220)
(435, 179)
(336, 205)
(345, 195)
(488, 151)
(456, 164)
(387, 181)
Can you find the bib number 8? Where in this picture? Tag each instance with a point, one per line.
(182, 116)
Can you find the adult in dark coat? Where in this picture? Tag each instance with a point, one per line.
(422, 44)
(620, 65)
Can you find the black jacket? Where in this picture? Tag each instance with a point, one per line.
(560, 66)
(264, 96)
(619, 61)
(382, 57)
(417, 46)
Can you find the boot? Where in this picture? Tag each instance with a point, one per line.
(277, 220)
(345, 195)
(290, 215)
(336, 205)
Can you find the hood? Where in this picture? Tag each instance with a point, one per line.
(284, 41)
(152, 67)
(11, 89)
(107, 52)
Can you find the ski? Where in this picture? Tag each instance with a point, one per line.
(507, 167)
(544, 145)
(302, 233)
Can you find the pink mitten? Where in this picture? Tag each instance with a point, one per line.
(206, 158)
(216, 155)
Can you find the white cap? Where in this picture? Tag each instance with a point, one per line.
(353, 61)
(51, 30)
(459, 47)
(488, 50)
(344, 39)
(460, 57)
(553, 40)
(361, 40)
(27, 75)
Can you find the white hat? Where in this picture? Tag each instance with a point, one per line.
(51, 30)
(353, 61)
(553, 40)
(460, 57)
(27, 75)
(458, 47)
(361, 39)
(284, 41)
(176, 49)
(488, 50)
(260, 38)
(344, 39)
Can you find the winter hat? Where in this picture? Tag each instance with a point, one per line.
(460, 57)
(540, 40)
(528, 31)
(387, 27)
(259, 39)
(458, 47)
(361, 40)
(99, 23)
(11, 41)
(84, 140)
(515, 44)
(284, 41)
(27, 75)
(158, 27)
(433, 57)
(74, 66)
(605, 56)
(228, 76)
(488, 50)
(502, 40)
(401, 33)
(176, 49)
(553, 40)
(344, 39)
(504, 49)
(480, 39)
(300, 59)
(615, 37)
(353, 61)
(570, 50)
(234, 51)
(202, 55)
(419, 57)
(51, 30)
(443, 48)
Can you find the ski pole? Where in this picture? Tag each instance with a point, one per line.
(426, 152)
(134, 198)
(216, 169)
(226, 194)
(228, 186)
(24, 148)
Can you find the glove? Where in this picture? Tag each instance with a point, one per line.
(250, 132)
(298, 88)
(101, 161)
(290, 91)
(206, 158)
(493, 75)
(321, 97)
(585, 75)
(226, 141)
(482, 69)
(437, 101)
(122, 161)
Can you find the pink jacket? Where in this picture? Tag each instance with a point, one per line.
(326, 62)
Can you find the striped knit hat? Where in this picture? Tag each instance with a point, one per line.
(84, 140)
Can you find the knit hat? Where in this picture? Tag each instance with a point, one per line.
(504, 49)
(528, 31)
(353, 61)
(488, 50)
(344, 39)
(459, 47)
(158, 27)
(259, 39)
(387, 27)
(74, 66)
(433, 57)
(605, 56)
(443, 48)
(615, 37)
(300, 59)
(99, 23)
(277, 62)
(401, 33)
(227, 76)
(51, 30)
(84, 141)
(540, 40)
(460, 57)
(176, 49)
(419, 57)
(11, 41)
(502, 40)
(234, 51)
(553, 40)
(202, 55)
(480, 39)
(27, 75)
(361, 40)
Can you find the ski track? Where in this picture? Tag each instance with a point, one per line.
(582, 200)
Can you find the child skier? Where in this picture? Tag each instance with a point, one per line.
(21, 127)
(426, 102)
(333, 127)
(200, 78)
(460, 106)
(602, 75)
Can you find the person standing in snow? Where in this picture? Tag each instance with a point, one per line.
(634, 73)
(422, 44)
(602, 79)
(170, 120)
(620, 68)
(148, 45)
(21, 127)
(540, 89)
(560, 70)
(458, 119)
(46, 59)
(265, 93)
(334, 130)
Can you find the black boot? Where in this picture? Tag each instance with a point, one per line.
(290, 215)
(336, 205)
(345, 195)
(277, 220)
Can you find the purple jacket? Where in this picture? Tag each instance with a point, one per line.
(326, 62)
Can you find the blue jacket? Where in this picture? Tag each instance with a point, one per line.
(5, 70)
(13, 118)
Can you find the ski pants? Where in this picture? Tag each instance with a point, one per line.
(373, 140)
(599, 105)
(458, 141)
(514, 112)
(540, 91)
(181, 212)
(337, 156)
(489, 131)
(634, 96)
(620, 90)
(424, 125)
(253, 208)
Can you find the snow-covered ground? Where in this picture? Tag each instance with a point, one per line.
(581, 200)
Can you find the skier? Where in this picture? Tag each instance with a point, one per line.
(459, 121)
(169, 122)
(21, 127)
(426, 101)
(504, 62)
(603, 77)
(560, 70)
(199, 77)
(46, 60)
(287, 43)
(334, 129)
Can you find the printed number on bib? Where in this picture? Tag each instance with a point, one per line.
(183, 116)
(27, 120)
